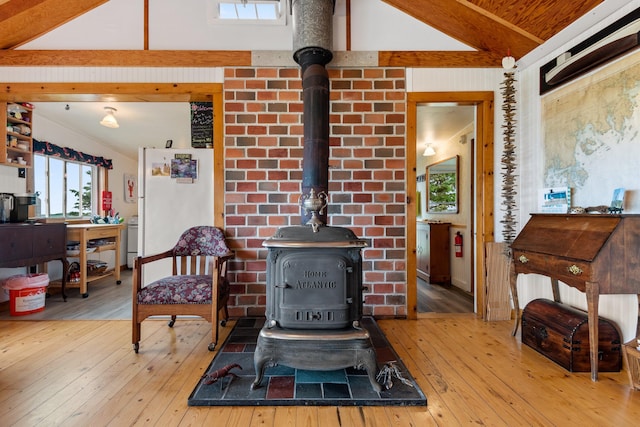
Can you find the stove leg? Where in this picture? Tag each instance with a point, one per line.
(371, 367)
(259, 362)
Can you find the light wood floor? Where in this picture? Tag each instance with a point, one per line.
(442, 299)
(85, 373)
(106, 301)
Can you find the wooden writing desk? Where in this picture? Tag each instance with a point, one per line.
(596, 254)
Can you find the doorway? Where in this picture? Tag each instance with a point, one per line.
(136, 92)
(480, 188)
(445, 140)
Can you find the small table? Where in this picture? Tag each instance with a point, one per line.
(83, 233)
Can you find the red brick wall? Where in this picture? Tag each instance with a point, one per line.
(263, 161)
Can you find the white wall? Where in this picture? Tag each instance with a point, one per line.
(117, 24)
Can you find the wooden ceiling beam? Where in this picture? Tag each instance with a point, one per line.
(24, 20)
(125, 58)
(471, 25)
(439, 59)
(197, 58)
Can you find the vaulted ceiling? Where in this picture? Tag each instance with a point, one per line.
(492, 27)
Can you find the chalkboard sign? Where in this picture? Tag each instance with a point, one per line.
(201, 124)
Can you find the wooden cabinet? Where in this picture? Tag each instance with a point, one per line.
(18, 148)
(25, 245)
(596, 254)
(433, 252)
(84, 233)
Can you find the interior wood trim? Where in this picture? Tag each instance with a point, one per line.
(483, 182)
(439, 59)
(99, 92)
(125, 58)
(138, 92)
(348, 13)
(146, 25)
(227, 58)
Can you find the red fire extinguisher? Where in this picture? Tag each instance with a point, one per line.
(458, 244)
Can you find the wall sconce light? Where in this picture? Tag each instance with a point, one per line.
(429, 151)
(110, 119)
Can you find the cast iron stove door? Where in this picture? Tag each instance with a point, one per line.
(312, 288)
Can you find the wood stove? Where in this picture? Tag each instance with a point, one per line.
(314, 303)
(314, 272)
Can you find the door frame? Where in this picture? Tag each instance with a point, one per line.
(483, 182)
(137, 92)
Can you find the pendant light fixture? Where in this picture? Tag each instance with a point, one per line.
(429, 151)
(110, 119)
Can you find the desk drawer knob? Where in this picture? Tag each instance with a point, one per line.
(574, 269)
(523, 259)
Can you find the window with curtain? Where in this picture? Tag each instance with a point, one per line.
(65, 188)
(66, 181)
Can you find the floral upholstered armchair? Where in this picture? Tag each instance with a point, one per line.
(198, 285)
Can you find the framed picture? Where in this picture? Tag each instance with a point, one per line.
(169, 143)
(555, 200)
(130, 188)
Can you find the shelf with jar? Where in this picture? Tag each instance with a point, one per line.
(18, 148)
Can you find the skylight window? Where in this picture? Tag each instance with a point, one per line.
(263, 11)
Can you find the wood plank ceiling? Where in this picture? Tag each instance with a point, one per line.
(492, 27)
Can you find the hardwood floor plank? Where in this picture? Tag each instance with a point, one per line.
(431, 379)
(29, 368)
(213, 416)
(179, 343)
(536, 383)
(263, 416)
(18, 343)
(328, 416)
(177, 390)
(84, 372)
(307, 416)
(433, 298)
(285, 416)
(80, 391)
(508, 406)
(351, 416)
(48, 378)
(160, 404)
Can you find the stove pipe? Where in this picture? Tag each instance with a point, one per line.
(313, 40)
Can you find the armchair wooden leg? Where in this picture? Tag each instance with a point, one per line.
(172, 321)
(223, 322)
(135, 337)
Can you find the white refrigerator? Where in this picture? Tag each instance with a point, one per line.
(175, 192)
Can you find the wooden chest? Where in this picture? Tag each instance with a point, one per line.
(561, 333)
